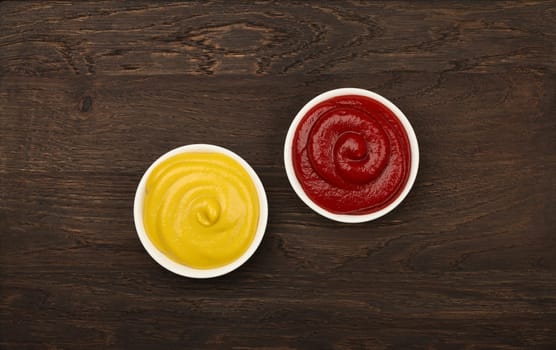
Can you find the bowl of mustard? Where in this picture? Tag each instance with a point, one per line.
(200, 211)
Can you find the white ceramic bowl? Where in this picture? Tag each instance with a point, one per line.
(348, 218)
(184, 270)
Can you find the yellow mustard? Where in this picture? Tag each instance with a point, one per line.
(201, 209)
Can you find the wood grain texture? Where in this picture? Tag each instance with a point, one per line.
(92, 93)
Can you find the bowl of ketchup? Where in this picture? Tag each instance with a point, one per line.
(351, 155)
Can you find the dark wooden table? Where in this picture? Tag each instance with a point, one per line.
(92, 93)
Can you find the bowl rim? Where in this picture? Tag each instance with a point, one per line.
(292, 177)
(184, 270)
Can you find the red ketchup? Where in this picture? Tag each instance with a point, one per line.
(351, 155)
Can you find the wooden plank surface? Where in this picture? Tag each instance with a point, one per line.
(92, 93)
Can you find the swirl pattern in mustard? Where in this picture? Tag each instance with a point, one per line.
(201, 209)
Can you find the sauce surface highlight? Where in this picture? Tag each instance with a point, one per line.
(201, 209)
(351, 155)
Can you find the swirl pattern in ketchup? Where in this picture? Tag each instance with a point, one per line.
(351, 155)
